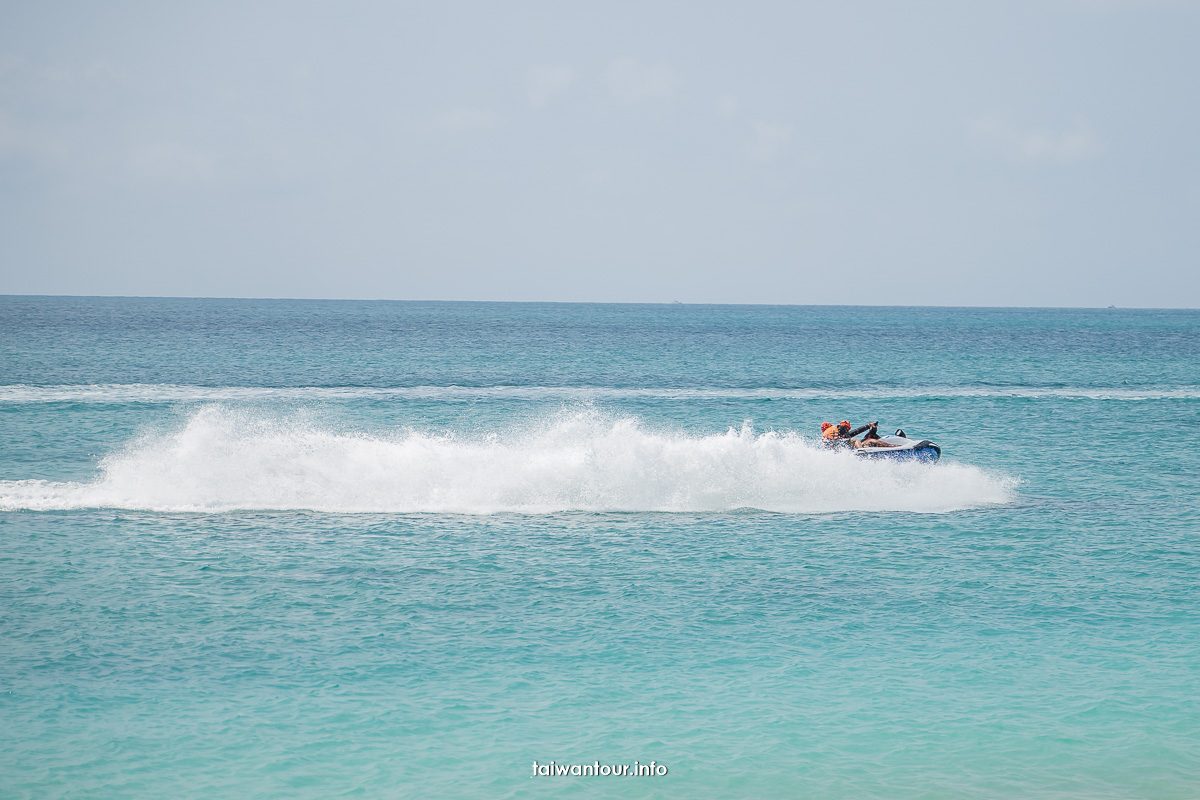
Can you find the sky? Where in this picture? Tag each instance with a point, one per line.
(920, 153)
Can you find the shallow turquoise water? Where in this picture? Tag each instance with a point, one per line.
(311, 549)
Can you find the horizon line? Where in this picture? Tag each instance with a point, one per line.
(589, 302)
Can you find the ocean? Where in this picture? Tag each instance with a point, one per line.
(317, 549)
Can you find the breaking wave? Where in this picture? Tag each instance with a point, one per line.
(224, 459)
(19, 394)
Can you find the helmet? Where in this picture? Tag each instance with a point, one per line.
(826, 426)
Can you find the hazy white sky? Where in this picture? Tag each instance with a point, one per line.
(1007, 153)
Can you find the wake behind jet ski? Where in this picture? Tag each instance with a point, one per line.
(896, 447)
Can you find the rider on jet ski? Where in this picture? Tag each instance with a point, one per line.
(840, 435)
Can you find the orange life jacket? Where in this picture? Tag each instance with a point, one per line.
(832, 431)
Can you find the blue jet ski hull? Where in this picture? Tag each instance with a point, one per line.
(905, 449)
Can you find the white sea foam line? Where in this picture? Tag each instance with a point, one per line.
(225, 459)
(16, 394)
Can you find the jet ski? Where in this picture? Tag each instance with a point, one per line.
(904, 449)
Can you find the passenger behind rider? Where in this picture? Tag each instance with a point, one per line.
(840, 435)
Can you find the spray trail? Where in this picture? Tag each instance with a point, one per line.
(224, 459)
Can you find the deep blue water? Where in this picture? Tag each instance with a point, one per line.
(313, 549)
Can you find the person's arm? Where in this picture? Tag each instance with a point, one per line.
(859, 430)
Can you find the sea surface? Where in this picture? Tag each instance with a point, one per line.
(318, 549)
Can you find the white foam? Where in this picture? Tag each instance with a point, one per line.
(224, 459)
(18, 394)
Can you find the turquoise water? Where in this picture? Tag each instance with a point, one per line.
(315, 549)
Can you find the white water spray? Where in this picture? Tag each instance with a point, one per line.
(224, 459)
